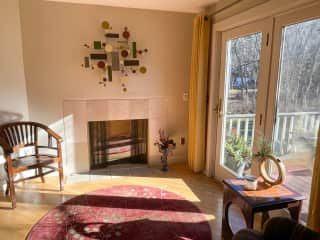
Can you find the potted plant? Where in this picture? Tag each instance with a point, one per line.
(165, 146)
(264, 149)
(238, 154)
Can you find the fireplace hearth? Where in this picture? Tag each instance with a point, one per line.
(117, 142)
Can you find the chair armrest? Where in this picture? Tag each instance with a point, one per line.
(6, 147)
(54, 135)
(248, 234)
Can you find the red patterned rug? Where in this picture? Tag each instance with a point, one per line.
(124, 212)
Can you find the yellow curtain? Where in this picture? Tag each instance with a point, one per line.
(314, 207)
(198, 93)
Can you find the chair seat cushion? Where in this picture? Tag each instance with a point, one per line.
(281, 228)
(31, 162)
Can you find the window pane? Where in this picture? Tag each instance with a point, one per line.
(241, 82)
(298, 104)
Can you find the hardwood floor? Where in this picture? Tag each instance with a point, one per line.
(35, 199)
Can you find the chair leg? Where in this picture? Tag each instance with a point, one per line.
(61, 179)
(7, 178)
(41, 175)
(12, 192)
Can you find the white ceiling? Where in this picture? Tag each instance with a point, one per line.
(191, 6)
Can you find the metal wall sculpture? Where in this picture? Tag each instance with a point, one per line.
(116, 53)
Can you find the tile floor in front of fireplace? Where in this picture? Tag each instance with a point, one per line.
(114, 171)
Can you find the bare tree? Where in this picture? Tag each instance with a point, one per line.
(299, 78)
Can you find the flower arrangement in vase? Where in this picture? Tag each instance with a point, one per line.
(165, 146)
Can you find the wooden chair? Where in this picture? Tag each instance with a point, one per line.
(17, 135)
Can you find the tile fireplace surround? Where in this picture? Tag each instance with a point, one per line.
(77, 113)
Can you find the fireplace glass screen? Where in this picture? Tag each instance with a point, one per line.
(118, 141)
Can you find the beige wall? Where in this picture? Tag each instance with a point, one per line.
(13, 99)
(53, 37)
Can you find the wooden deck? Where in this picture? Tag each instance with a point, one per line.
(300, 181)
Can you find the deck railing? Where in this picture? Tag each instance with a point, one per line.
(289, 126)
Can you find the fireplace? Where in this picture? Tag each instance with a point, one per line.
(78, 113)
(117, 142)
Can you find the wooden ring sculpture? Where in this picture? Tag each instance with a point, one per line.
(263, 168)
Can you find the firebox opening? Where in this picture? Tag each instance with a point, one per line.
(118, 141)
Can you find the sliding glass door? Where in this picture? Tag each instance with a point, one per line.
(240, 109)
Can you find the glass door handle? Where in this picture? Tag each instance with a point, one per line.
(218, 107)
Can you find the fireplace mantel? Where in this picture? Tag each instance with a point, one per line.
(77, 114)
